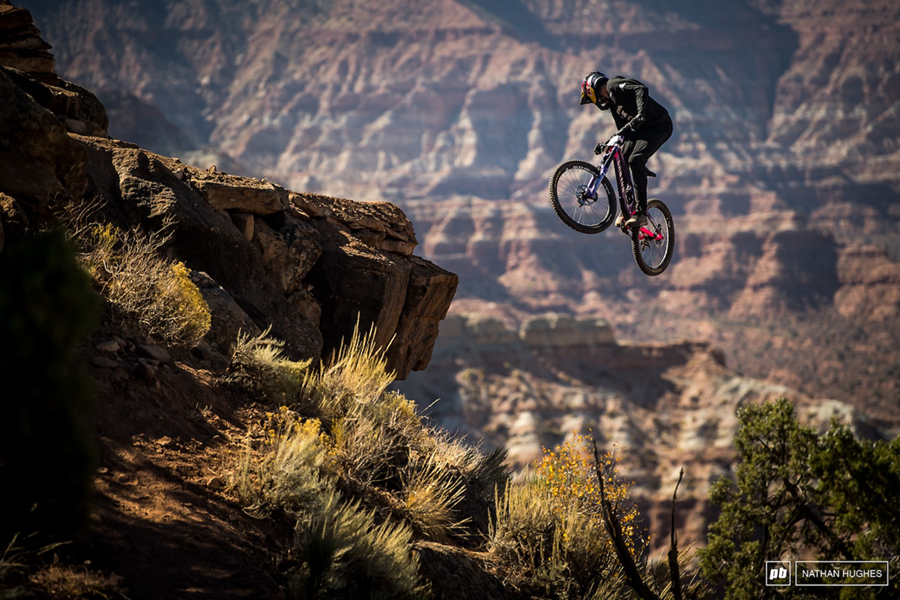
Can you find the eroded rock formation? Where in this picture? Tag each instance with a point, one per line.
(310, 266)
(784, 161)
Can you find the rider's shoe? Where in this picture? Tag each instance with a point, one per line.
(620, 220)
(638, 219)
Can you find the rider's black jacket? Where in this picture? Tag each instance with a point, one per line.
(629, 98)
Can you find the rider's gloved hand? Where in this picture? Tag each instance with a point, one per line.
(600, 148)
(636, 122)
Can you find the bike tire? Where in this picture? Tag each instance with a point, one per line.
(584, 216)
(653, 256)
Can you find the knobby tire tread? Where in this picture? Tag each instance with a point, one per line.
(670, 241)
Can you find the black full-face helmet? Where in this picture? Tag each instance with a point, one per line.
(590, 87)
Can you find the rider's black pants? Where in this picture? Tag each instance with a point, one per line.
(646, 141)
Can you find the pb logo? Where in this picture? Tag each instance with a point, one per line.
(778, 573)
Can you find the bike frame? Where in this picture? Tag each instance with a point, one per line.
(613, 156)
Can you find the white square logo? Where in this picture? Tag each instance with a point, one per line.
(778, 573)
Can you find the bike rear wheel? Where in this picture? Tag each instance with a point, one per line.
(568, 187)
(654, 243)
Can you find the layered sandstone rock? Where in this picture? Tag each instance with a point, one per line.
(784, 156)
(311, 278)
(311, 268)
(22, 47)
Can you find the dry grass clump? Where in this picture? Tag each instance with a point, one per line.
(357, 374)
(157, 294)
(25, 572)
(257, 366)
(63, 582)
(484, 473)
(429, 493)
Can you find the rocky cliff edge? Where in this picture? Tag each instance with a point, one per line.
(309, 266)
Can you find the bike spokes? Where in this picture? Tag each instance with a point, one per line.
(578, 205)
(582, 204)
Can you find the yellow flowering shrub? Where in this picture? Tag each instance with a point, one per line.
(283, 466)
(191, 316)
(568, 477)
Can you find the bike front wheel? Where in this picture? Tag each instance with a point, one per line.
(572, 201)
(654, 243)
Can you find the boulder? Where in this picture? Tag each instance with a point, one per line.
(242, 194)
(39, 163)
(428, 297)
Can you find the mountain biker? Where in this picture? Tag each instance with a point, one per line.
(630, 102)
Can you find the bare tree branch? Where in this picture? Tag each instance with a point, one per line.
(614, 528)
(673, 548)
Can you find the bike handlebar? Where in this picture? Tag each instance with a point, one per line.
(629, 126)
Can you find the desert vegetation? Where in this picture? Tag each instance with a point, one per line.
(801, 495)
(365, 479)
(365, 482)
(142, 286)
(356, 468)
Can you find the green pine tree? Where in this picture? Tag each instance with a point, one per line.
(799, 495)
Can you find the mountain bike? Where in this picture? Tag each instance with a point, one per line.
(583, 198)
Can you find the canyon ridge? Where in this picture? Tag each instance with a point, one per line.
(782, 172)
(446, 120)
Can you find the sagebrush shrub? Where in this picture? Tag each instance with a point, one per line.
(348, 552)
(157, 294)
(257, 366)
(284, 466)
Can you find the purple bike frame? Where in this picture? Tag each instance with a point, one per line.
(613, 155)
